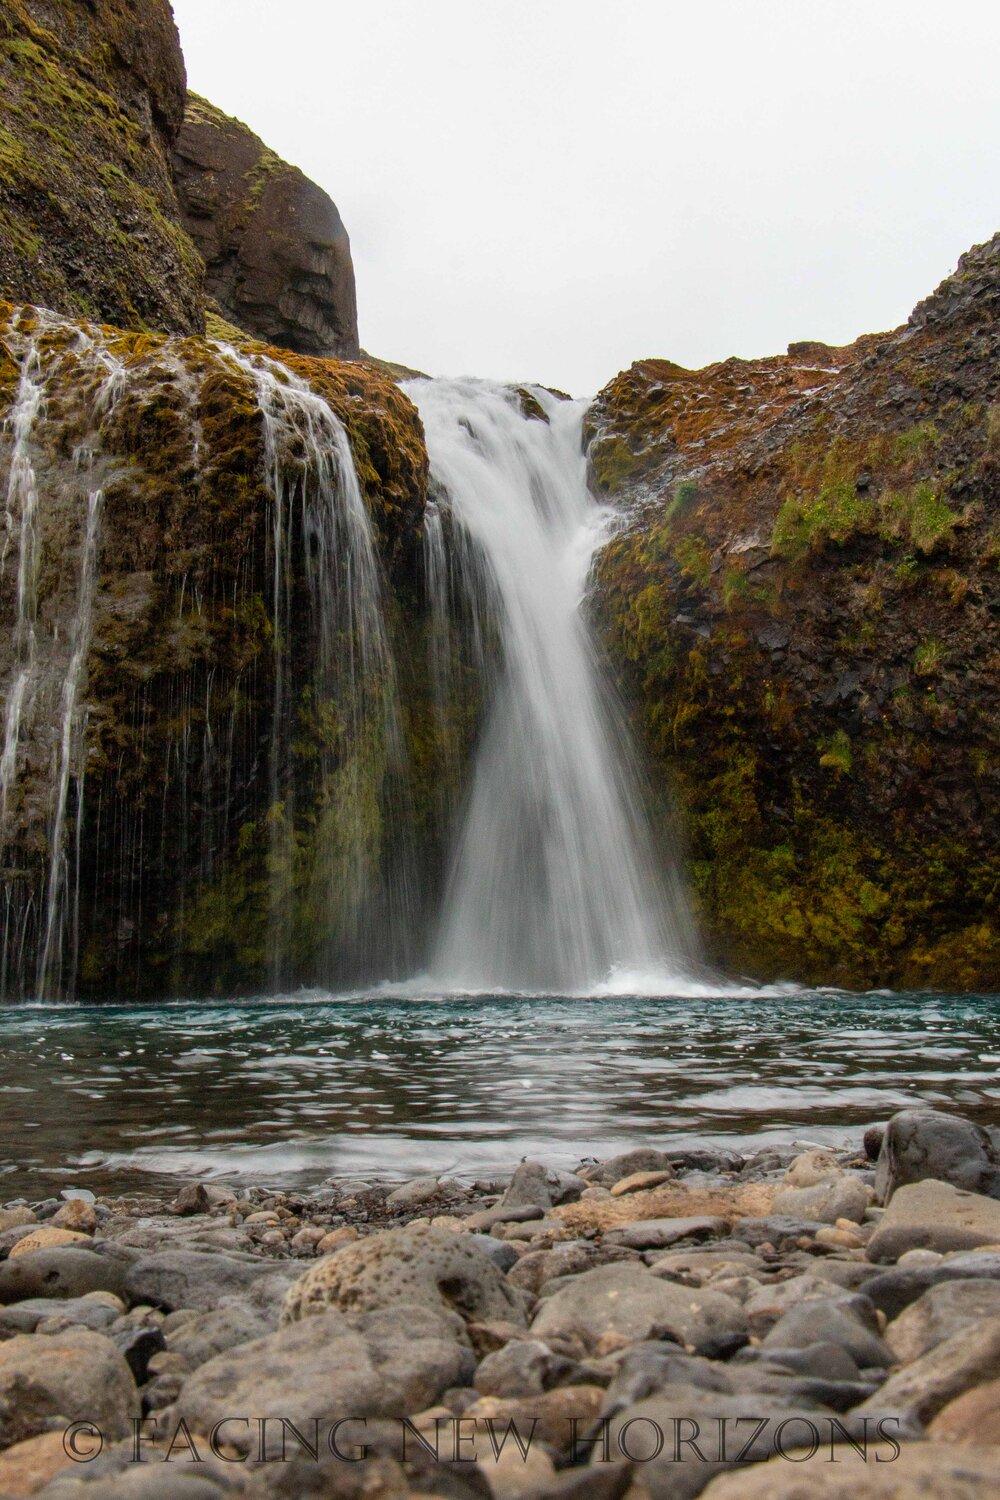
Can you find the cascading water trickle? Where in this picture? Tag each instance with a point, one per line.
(553, 884)
(21, 526)
(70, 756)
(316, 498)
(42, 711)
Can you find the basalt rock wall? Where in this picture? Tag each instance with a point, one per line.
(804, 603)
(91, 101)
(277, 254)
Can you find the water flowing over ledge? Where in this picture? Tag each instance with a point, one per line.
(553, 882)
(265, 726)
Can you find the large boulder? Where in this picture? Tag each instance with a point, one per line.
(277, 254)
(323, 1369)
(78, 1376)
(934, 1216)
(91, 101)
(417, 1266)
(922, 1143)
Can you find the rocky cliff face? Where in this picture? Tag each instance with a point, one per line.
(278, 255)
(91, 101)
(212, 778)
(804, 602)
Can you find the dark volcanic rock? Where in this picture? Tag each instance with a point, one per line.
(278, 256)
(803, 604)
(922, 1143)
(91, 100)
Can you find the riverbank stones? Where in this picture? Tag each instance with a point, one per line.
(323, 1368)
(77, 1376)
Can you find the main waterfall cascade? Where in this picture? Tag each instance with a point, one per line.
(306, 773)
(554, 885)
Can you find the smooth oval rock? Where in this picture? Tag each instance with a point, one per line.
(927, 1143)
(629, 1301)
(934, 1215)
(61, 1272)
(841, 1197)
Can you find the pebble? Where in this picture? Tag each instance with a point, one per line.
(77, 1215)
(637, 1182)
(46, 1238)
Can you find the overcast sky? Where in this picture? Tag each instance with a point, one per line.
(551, 189)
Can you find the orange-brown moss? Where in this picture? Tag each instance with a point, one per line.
(802, 605)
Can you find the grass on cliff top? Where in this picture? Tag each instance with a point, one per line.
(913, 513)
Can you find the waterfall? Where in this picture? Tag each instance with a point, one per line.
(553, 884)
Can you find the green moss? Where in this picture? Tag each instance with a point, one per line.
(929, 658)
(75, 166)
(613, 463)
(916, 442)
(919, 515)
(694, 558)
(684, 496)
(836, 754)
(804, 528)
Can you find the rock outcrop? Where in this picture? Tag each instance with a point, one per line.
(201, 745)
(91, 101)
(803, 601)
(278, 256)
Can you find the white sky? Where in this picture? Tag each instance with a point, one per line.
(551, 189)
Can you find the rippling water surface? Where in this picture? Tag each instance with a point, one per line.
(291, 1091)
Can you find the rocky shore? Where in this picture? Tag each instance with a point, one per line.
(657, 1326)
